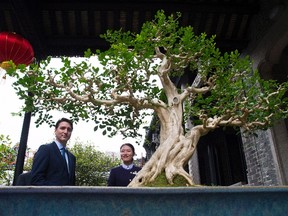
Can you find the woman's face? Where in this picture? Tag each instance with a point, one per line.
(126, 154)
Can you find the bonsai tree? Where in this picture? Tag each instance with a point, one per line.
(120, 90)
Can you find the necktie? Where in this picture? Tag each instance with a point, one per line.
(63, 153)
(63, 150)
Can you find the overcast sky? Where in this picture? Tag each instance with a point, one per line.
(12, 126)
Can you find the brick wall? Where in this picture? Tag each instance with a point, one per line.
(261, 164)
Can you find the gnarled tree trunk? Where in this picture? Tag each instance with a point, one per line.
(171, 155)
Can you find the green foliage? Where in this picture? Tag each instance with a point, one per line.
(117, 88)
(239, 92)
(92, 166)
(8, 154)
(28, 164)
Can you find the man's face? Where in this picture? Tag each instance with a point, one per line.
(63, 132)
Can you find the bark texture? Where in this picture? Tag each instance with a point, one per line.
(170, 157)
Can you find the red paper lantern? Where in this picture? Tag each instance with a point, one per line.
(15, 48)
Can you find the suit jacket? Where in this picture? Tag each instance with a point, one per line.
(24, 179)
(49, 167)
(122, 177)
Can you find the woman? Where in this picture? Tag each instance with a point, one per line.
(123, 174)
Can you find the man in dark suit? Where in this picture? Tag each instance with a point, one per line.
(53, 164)
(24, 179)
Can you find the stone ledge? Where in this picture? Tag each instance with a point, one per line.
(29, 200)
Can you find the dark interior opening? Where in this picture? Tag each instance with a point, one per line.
(221, 158)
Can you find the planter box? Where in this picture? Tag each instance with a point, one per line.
(82, 201)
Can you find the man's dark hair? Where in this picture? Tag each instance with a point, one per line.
(64, 120)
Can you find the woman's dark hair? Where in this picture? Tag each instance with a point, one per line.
(64, 120)
(130, 145)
